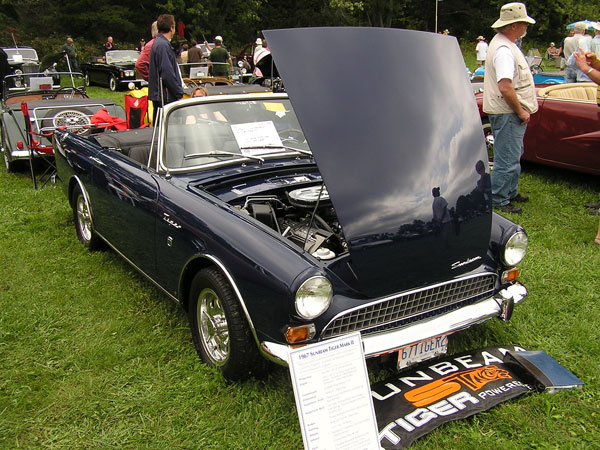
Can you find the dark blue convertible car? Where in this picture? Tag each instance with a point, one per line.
(348, 204)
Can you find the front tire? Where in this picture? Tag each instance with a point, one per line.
(220, 331)
(82, 214)
(112, 83)
(86, 79)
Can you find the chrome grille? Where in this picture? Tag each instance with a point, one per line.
(415, 305)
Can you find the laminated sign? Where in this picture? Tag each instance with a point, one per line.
(417, 401)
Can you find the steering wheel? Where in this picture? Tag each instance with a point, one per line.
(288, 131)
(72, 90)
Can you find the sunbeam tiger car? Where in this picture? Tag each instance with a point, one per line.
(279, 220)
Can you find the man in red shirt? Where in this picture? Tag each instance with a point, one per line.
(143, 62)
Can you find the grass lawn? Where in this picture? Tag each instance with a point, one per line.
(93, 356)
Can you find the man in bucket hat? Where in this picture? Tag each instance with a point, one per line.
(509, 99)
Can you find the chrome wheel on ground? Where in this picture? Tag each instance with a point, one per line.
(219, 328)
(213, 326)
(83, 220)
(112, 83)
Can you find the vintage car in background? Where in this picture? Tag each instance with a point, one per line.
(555, 77)
(201, 74)
(564, 132)
(22, 59)
(115, 70)
(281, 221)
(245, 56)
(50, 106)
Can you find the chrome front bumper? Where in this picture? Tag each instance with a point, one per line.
(390, 341)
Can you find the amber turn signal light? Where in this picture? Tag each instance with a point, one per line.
(510, 275)
(294, 335)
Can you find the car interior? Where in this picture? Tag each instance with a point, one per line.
(571, 91)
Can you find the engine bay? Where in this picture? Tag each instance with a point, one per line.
(304, 215)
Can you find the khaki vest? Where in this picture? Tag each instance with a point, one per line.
(493, 102)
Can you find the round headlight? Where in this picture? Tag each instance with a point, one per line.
(515, 248)
(240, 63)
(313, 297)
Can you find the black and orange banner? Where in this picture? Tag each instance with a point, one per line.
(417, 401)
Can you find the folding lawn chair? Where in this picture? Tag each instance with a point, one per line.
(38, 151)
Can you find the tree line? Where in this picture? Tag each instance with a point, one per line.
(46, 23)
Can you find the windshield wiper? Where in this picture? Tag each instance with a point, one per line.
(222, 153)
(284, 147)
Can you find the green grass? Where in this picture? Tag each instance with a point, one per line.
(93, 356)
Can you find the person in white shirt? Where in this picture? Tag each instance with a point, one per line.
(509, 99)
(481, 49)
(596, 39)
(259, 53)
(572, 44)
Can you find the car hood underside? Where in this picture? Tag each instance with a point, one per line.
(385, 129)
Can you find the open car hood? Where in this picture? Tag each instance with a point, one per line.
(389, 114)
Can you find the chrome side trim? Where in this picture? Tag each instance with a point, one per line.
(390, 341)
(172, 297)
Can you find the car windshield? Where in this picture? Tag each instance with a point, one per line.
(204, 134)
(205, 49)
(122, 56)
(16, 55)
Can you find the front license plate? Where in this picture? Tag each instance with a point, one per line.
(427, 349)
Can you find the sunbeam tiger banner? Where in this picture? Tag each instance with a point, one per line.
(417, 401)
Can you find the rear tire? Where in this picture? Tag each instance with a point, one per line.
(82, 215)
(5, 148)
(8, 164)
(220, 331)
(86, 79)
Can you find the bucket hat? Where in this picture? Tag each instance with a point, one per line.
(511, 13)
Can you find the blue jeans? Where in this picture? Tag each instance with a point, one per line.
(508, 148)
(570, 75)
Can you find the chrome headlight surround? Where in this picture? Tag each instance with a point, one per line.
(515, 249)
(313, 297)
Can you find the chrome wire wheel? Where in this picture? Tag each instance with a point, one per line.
(84, 219)
(73, 120)
(214, 330)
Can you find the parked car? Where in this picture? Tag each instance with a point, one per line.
(200, 74)
(115, 70)
(281, 221)
(22, 59)
(50, 106)
(538, 77)
(564, 132)
(246, 57)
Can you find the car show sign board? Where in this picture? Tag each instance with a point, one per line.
(417, 401)
(333, 395)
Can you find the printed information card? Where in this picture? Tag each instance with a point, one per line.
(333, 395)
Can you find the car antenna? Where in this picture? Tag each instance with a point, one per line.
(15, 42)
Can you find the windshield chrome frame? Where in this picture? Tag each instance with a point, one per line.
(172, 107)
